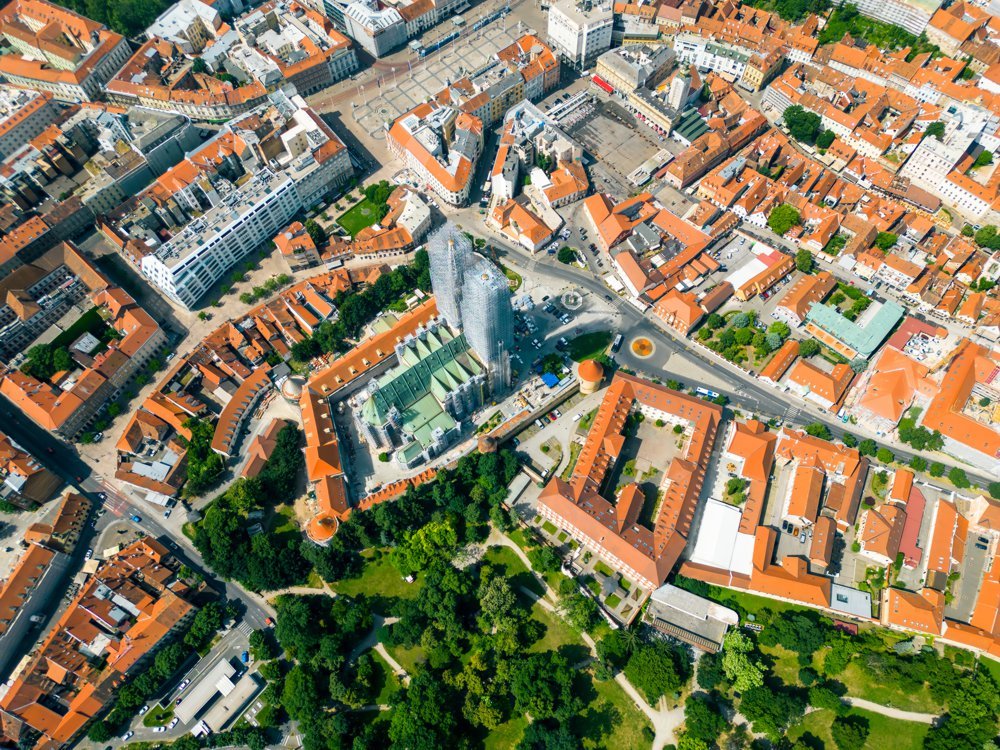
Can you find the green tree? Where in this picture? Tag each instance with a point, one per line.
(543, 735)
(782, 218)
(885, 240)
(822, 696)
(100, 732)
(804, 261)
(935, 129)
(986, 237)
(436, 539)
(850, 732)
(958, 478)
(808, 348)
(771, 711)
(884, 455)
(937, 469)
(566, 255)
(918, 463)
(825, 139)
(820, 430)
(867, 447)
(299, 696)
(802, 124)
(984, 159)
(743, 671)
(657, 669)
(702, 719)
(424, 717)
(542, 685)
(315, 232)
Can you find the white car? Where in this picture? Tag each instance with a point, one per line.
(159, 729)
(127, 736)
(143, 710)
(90, 554)
(173, 723)
(183, 685)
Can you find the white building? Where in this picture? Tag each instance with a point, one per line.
(578, 33)
(726, 60)
(186, 267)
(931, 166)
(189, 24)
(912, 15)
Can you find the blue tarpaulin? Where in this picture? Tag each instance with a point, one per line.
(550, 380)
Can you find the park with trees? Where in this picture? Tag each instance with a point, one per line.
(789, 682)
(486, 663)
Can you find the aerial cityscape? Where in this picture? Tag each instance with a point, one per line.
(501, 374)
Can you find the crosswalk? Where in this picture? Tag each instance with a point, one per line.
(791, 413)
(244, 628)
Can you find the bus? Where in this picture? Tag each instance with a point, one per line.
(705, 392)
(617, 343)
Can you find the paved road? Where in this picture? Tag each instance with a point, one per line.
(684, 359)
(892, 713)
(64, 461)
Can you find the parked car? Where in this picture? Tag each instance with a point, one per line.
(159, 729)
(127, 736)
(144, 709)
(173, 723)
(90, 554)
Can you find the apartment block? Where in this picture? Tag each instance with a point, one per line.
(49, 48)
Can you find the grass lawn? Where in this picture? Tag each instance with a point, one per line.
(408, 658)
(362, 214)
(157, 716)
(507, 735)
(557, 632)
(283, 523)
(613, 601)
(861, 685)
(753, 603)
(589, 345)
(513, 278)
(387, 680)
(379, 577)
(612, 720)
(602, 568)
(886, 733)
(574, 454)
(314, 581)
(786, 663)
(549, 527)
(515, 570)
(519, 538)
(90, 322)
(991, 666)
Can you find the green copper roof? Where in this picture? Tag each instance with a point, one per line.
(862, 339)
(429, 369)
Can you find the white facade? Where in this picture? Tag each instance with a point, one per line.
(187, 266)
(726, 60)
(580, 35)
(912, 15)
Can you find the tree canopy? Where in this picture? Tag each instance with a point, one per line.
(782, 218)
(802, 124)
